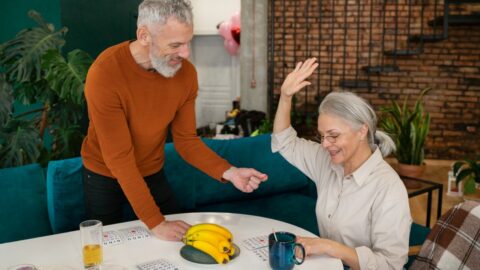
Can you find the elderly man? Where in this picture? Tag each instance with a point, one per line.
(135, 91)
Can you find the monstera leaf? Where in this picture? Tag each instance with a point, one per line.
(5, 100)
(67, 142)
(21, 143)
(67, 77)
(36, 73)
(22, 55)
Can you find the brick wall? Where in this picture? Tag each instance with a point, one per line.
(450, 67)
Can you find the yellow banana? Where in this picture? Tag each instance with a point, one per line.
(214, 238)
(206, 247)
(211, 227)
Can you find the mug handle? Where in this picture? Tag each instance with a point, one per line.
(303, 254)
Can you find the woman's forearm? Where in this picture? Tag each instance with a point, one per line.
(282, 117)
(294, 82)
(347, 254)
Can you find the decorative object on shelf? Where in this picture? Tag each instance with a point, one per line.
(454, 189)
(409, 129)
(34, 71)
(230, 31)
(468, 171)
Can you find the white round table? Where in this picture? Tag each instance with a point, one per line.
(63, 251)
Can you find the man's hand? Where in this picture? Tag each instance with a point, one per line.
(244, 179)
(171, 230)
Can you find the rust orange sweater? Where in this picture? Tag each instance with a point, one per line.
(130, 110)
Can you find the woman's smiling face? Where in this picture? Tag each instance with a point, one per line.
(338, 138)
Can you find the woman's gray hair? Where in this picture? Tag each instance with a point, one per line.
(356, 111)
(158, 11)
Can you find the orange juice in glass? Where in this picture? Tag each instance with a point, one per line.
(92, 236)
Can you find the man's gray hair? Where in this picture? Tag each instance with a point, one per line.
(356, 111)
(158, 11)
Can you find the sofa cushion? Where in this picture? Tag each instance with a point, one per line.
(284, 207)
(181, 177)
(23, 203)
(66, 204)
(254, 152)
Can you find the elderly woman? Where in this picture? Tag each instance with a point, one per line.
(362, 207)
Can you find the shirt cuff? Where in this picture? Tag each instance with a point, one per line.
(366, 258)
(281, 138)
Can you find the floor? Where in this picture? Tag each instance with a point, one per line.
(436, 171)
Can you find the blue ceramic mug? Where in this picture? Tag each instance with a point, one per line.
(281, 251)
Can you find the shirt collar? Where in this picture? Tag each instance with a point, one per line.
(361, 174)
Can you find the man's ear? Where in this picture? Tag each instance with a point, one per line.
(143, 35)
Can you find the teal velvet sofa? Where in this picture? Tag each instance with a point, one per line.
(58, 204)
(51, 201)
(288, 195)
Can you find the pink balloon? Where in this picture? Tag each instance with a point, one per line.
(225, 30)
(235, 20)
(231, 46)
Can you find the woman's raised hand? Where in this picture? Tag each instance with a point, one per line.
(296, 80)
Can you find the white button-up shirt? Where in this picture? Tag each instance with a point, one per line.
(367, 210)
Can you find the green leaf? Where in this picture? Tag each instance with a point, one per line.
(469, 186)
(67, 141)
(22, 144)
(39, 74)
(457, 165)
(67, 78)
(464, 173)
(408, 127)
(21, 55)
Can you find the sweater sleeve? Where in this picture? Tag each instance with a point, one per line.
(188, 144)
(108, 117)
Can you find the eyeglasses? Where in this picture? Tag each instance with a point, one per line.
(330, 138)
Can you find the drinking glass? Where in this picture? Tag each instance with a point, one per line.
(91, 232)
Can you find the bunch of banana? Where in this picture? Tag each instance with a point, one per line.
(212, 239)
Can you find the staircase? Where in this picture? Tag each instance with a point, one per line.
(381, 35)
(403, 38)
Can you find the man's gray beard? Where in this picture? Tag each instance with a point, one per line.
(160, 64)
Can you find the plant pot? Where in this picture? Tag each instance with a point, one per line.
(473, 196)
(409, 170)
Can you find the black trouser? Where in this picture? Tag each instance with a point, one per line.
(105, 200)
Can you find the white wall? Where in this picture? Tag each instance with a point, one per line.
(218, 72)
(208, 13)
(218, 79)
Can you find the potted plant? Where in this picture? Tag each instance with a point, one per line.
(468, 170)
(409, 128)
(33, 71)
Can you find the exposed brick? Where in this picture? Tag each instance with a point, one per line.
(450, 67)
